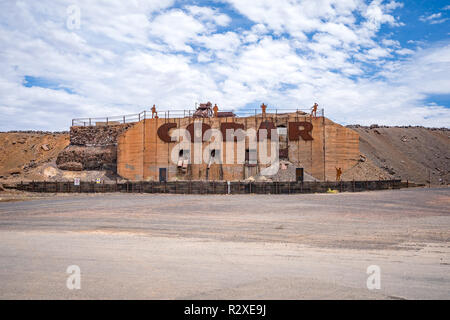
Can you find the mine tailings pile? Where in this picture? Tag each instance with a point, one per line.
(92, 148)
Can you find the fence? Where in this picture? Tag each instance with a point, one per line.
(131, 118)
(210, 187)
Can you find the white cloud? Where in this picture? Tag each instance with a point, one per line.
(376, 53)
(430, 17)
(390, 43)
(128, 56)
(340, 31)
(434, 18)
(228, 41)
(404, 51)
(175, 28)
(207, 14)
(377, 14)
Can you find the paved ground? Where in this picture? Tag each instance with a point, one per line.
(138, 246)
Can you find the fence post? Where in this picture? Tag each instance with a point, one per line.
(429, 178)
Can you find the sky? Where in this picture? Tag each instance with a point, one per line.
(364, 62)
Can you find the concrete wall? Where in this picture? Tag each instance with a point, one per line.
(342, 148)
(141, 153)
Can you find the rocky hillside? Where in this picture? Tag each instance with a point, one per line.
(23, 152)
(409, 153)
(32, 155)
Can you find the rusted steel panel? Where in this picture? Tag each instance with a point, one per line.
(295, 133)
(163, 131)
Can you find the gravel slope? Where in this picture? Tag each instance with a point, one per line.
(412, 153)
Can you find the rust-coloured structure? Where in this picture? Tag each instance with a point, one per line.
(316, 144)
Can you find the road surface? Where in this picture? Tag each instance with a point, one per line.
(150, 246)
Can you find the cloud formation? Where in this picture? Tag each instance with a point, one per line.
(127, 56)
(434, 18)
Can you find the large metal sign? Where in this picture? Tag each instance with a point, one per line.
(296, 130)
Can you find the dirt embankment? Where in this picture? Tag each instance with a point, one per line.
(408, 153)
(31, 155)
(23, 152)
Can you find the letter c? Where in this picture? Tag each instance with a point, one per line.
(163, 131)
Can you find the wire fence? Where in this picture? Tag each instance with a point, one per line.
(132, 118)
(210, 187)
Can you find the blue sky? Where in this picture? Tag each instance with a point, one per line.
(363, 61)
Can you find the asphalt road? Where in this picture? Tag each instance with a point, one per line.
(147, 246)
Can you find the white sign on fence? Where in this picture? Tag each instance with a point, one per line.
(76, 181)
